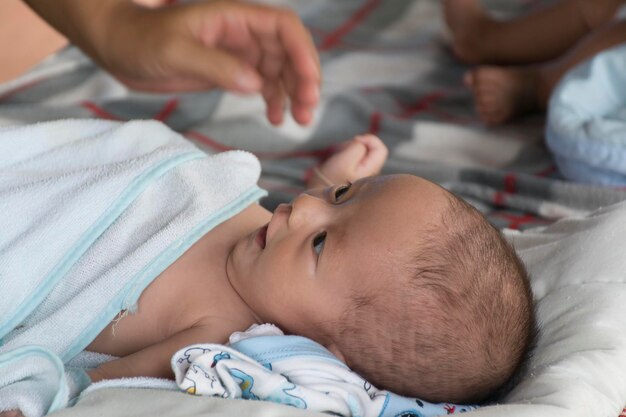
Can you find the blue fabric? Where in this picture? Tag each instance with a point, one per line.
(268, 349)
(586, 129)
(286, 354)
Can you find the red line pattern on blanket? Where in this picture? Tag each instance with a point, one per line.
(499, 198)
(547, 172)
(362, 13)
(19, 89)
(422, 105)
(99, 111)
(207, 141)
(167, 110)
(428, 104)
(319, 154)
(162, 115)
(515, 221)
(375, 120)
(510, 183)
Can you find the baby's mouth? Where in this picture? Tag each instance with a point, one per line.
(261, 236)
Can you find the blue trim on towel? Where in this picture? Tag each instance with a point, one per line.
(268, 349)
(78, 380)
(127, 196)
(22, 353)
(129, 295)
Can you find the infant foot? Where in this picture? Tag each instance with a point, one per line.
(470, 25)
(501, 94)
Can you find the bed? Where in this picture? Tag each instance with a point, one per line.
(387, 70)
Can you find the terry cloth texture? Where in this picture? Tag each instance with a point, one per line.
(93, 211)
(586, 129)
(291, 370)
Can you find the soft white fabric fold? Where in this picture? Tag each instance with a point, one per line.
(92, 212)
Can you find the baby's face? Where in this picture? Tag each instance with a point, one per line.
(301, 269)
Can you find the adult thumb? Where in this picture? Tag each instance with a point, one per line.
(216, 66)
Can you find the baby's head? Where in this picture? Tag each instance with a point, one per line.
(455, 320)
(411, 286)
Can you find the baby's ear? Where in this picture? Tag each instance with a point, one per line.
(334, 349)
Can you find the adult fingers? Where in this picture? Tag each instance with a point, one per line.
(302, 111)
(299, 46)
(281, 24)
(196, 61)
(270, 67)
(275, 101)
(164, 85)
(289, 58)
(281, 80)
(302, 68)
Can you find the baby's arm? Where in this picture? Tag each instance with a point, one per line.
(360, 157)
(153, 361)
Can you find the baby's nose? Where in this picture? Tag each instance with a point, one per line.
(307, 207)
(316, 192)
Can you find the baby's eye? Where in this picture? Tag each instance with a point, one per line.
(318, 242)
(341, 190)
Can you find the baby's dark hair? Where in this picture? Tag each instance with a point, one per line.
(460, 324)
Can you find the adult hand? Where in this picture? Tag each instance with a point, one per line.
(245, 48)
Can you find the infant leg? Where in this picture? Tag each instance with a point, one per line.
(501, 93)
(535, 37)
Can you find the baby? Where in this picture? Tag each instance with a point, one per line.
(406, 283)
(387, 270)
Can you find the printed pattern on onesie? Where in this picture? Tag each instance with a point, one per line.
(295, 371)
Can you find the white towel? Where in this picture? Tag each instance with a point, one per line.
(90, 213)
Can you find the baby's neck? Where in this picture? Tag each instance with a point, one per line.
(212, 301)
(192, 292)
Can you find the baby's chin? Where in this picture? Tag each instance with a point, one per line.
(236, 264)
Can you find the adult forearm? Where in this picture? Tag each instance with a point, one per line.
(85, 23)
